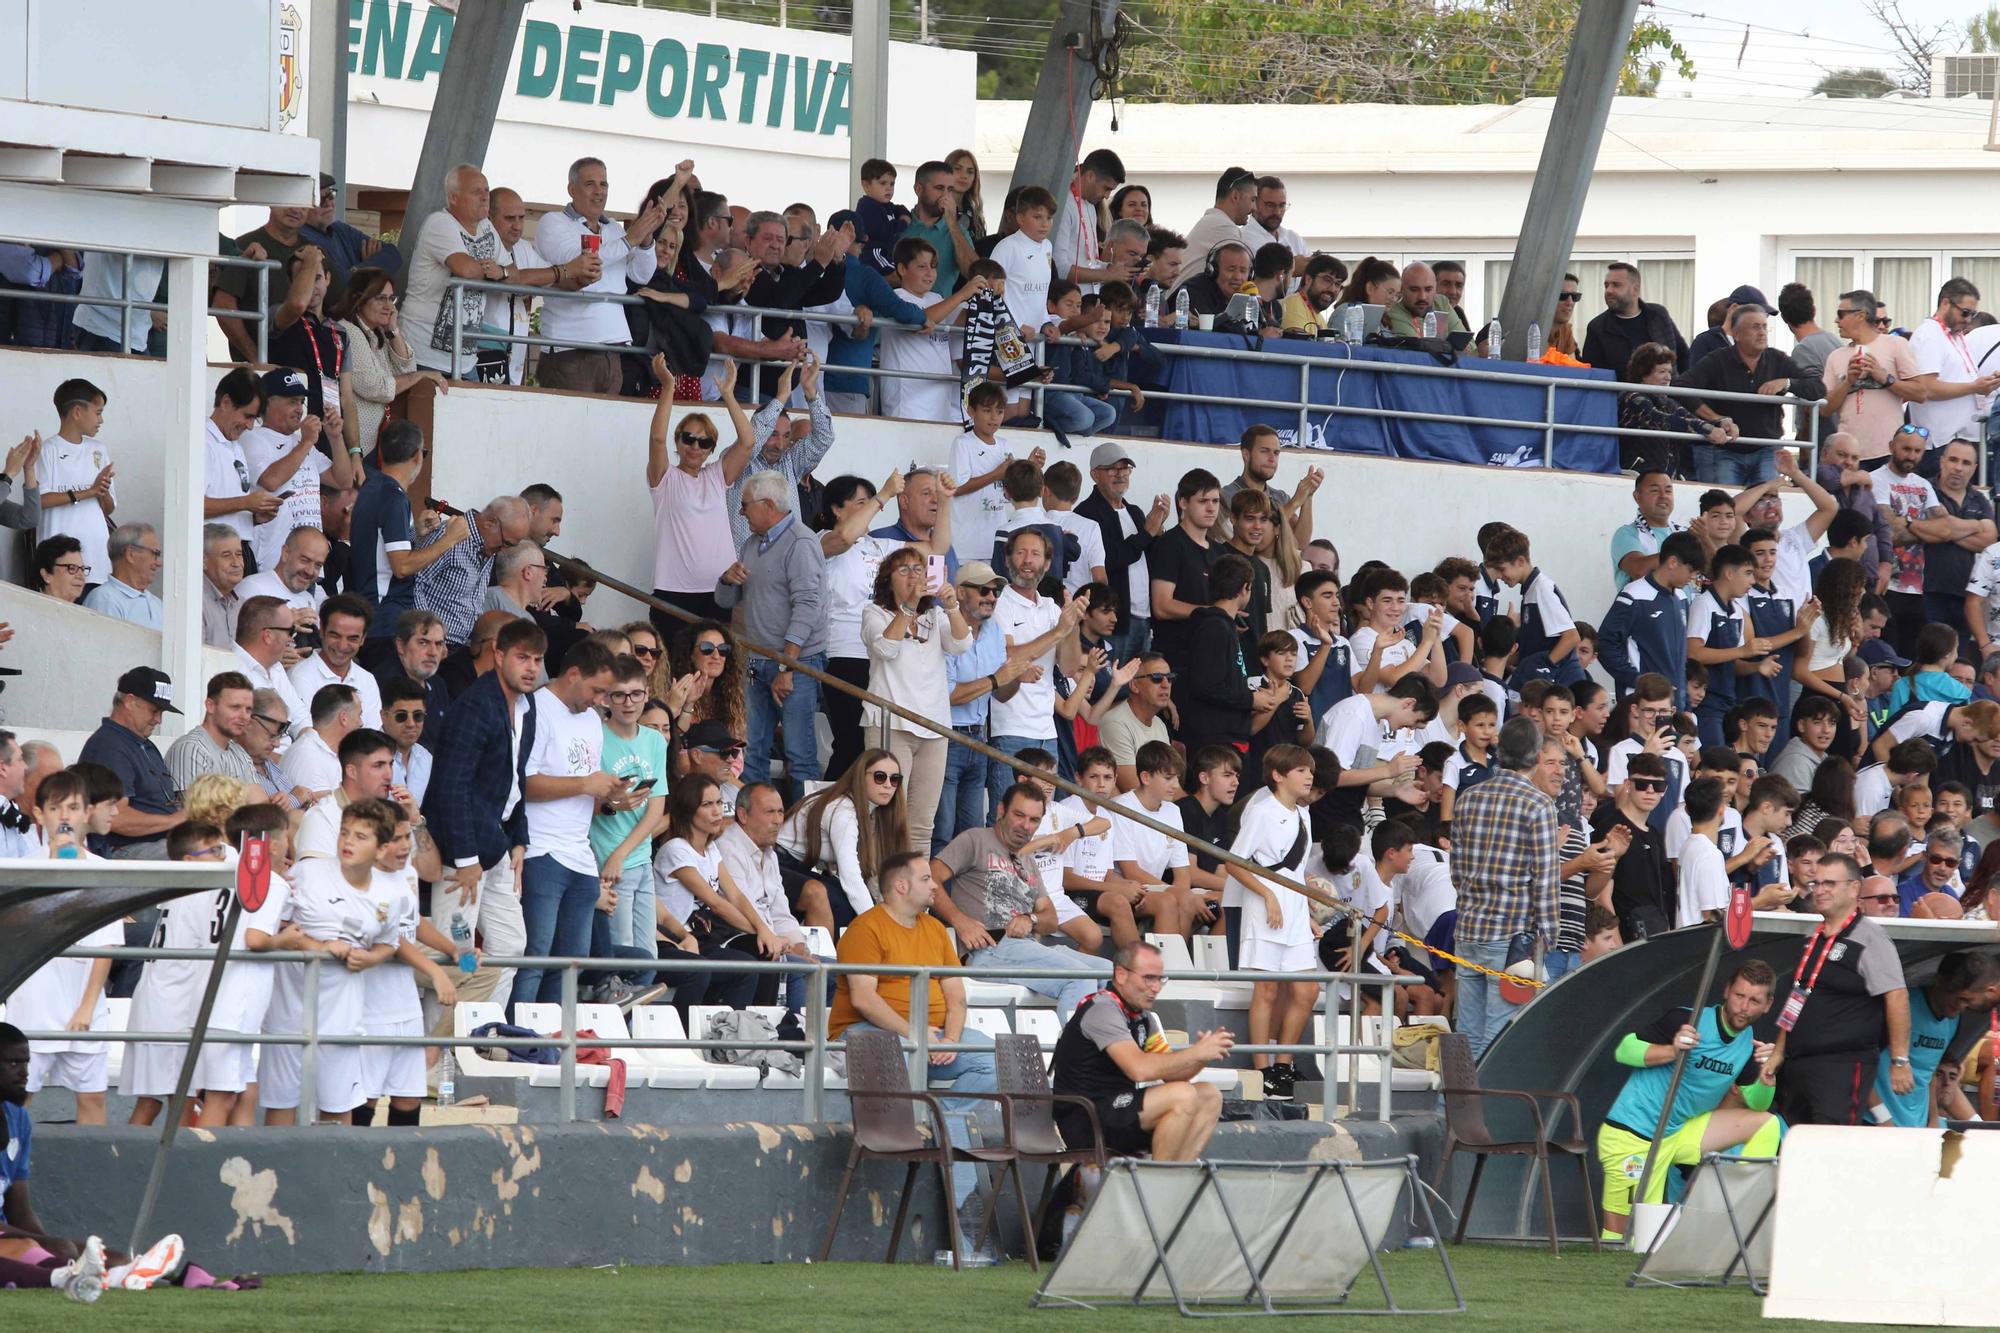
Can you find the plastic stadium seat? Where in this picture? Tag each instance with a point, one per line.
(699, 1014)
(992, 995)
(468, 1015)
(1211, 954)
(993, 1022)
(1041, 1024)
(1174, 953)
(682, 1067)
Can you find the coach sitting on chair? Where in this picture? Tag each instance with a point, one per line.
(1111, 1045)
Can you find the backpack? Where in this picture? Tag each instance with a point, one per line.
(748, 1025)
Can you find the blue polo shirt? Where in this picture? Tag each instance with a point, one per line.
(896, 532)
(14, 1158)
(986, 656)
(381, 524)
(116, 598)
(139, 765)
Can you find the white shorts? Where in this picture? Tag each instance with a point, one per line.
(224, 1067)
(1066, 908)
(394, 1071)
(151, 1069)
(1255, 955)
(67, 1069)
(279, 1069)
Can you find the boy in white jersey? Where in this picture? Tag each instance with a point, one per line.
(391, 1004)
(67, 994)
(1154, 866)
(1065, 826)
(334, 914)
(169, 995)
(1277, 927)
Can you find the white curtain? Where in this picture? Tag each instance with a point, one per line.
(1669, 282)
(1827, 276)
(1905, 286)
(1984, 271)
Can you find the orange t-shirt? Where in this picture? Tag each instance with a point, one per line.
(876, 937)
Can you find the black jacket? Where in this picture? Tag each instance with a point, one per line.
(1607, 346)
(471, 778)
(1120, 551)
(1214, 692)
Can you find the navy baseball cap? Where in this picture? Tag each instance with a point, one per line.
(1877, 652)
(283, 383)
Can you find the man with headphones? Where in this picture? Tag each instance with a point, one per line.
(1222, 276)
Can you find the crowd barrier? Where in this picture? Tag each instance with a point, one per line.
(128, 303)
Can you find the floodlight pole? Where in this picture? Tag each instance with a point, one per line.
(868, 89)
(1061, 109)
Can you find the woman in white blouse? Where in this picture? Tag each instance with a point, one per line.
(842, 833)
(909, 633)
(380, 365)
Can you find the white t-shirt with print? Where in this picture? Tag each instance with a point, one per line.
(850, 585)
(1029, 268)
(262, 447)
(63, 466)
(567, 745)
(1361, 644)
(1985, 583)
(1679, 826)
(1907, 497)
(679, 854)
(1090, 857)
(1349, 727)
(1704, 880)
(977, 516)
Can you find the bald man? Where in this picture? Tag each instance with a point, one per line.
(1420, 298)
(510, 310)
(1879, 897)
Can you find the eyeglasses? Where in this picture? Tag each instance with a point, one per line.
(627, 696)
(214, 853)
(1570, 296)
(1937, 860)
(1649, 784)
(694, 439)
(69, 566)
(1813, 884)
(637, 651)
(1877, 897)
(1160, 677)
(885, 776)
(712, 649)
(270, 723)
(408, 715)
(153, 551)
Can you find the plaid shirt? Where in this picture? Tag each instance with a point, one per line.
(453, 586)
(794, 463)
(1505, 858)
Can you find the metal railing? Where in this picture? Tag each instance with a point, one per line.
(128, 303)
(813, 1050)
(1303, 404)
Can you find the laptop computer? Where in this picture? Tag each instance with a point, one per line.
(1371, 320)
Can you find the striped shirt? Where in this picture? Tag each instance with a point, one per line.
(1505, 858)
(453, 586)
(794, 463)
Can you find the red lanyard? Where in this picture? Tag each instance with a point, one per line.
(1805, 957)
(312, 341)
(1086, 229)
(1958, 341)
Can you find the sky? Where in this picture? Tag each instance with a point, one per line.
(1791, 42)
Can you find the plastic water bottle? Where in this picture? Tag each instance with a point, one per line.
(1153, 299)
(447, 1068)
(1493, 337)
(1535, 341)
(461, 935)
(1350, 324)
(69, 851)
(1431, 325)
(1181, 317)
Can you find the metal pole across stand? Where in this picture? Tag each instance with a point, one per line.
(1680, 1063)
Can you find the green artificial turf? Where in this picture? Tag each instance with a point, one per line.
(1507, 1290)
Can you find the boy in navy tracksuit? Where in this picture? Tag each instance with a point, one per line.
(1486, 594)
(1719, 636)
(1646, 628)
(1547, 639)
(1775, 619)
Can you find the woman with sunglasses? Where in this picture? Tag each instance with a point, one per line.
(910, 629)
(841, 834)
(707, 674)
(648, 646)
(691, 534)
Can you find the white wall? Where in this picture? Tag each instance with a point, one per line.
(593, 450)
(71, 660)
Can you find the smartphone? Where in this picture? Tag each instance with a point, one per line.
(935, 573)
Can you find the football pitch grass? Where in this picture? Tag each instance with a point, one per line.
(1507, 1290)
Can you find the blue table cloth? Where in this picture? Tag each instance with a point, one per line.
(1346, 380)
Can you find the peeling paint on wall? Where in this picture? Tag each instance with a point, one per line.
(433, 1174)
(252, 1194)
(650, 1185)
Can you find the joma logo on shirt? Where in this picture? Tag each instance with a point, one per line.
(1710, 1064)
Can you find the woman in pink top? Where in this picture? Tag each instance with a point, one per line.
(691, 537)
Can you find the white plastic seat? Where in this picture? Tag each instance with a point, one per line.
(1211, 954)
(1041, 1024)
(682, 1067)
(992, 995)
(467, 1015)
(819, 941)
(993, 1022)
(1174, 953)
(1367, 1068)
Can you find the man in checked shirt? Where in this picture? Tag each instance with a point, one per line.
(1505, 859)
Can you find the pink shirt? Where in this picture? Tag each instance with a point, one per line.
(691, 540)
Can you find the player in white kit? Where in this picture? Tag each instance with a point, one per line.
(1277, 925)
(391, 1004)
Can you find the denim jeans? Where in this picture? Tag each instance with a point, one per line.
(999, 777)
(798, 711)
(1481, 1010)
(1561, 962)
(962, 798)
(1092, 972)
(1714, 463)
(1078, 414)
(634, 921)
(967, 1071)
(557, 904)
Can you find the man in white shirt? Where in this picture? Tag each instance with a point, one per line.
(313, 761)
(457, 241)
(295, 579)
(565, 783)
(1038, 631)
(583, 229)
(230, 494)
(283, 457)
(1956, 381)
(1266, 222)
(110, 328)
(264, 629)
(1074, 245)
(75, 473)
(343, 629)
(1235, 197)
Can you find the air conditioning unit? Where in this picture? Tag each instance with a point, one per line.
(1966, 74)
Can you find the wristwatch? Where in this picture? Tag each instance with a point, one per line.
(1899, 1059)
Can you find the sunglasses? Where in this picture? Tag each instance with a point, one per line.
(1570, 296)
(408, 715)
(1922, 432)
(729, 752)
(1649, 784)
(637, 651)
(712, 649)
(694, 439)
(1881, 323)
(1942, 860)
(884, 775)
(1878, 898)
(1160, 677)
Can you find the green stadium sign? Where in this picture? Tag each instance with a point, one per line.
(609, 67)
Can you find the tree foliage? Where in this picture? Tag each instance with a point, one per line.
(1393, 51)
(1855, 83)
(1982, 30)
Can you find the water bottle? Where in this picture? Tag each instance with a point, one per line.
(1493, 337)
(447, 1070)
(1350, 324)
(1431, 325)
(1153, 299)
(70, 851)
(1181, 317)
(1535, 341)
(461, 935)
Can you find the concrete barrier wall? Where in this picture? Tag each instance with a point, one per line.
(593, 450)
(415, 1200)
